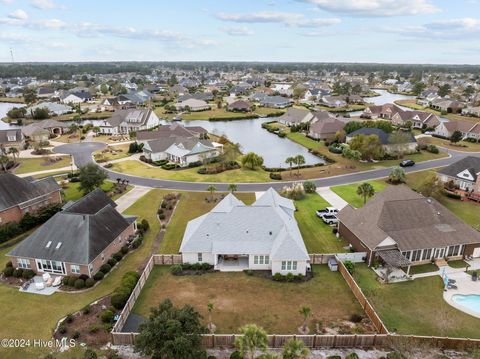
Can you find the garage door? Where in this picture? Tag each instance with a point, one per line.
(476, 252)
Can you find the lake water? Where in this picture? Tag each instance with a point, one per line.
(386, 97)
(4, 108)
(253, 138)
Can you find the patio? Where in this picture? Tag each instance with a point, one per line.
(38, 285)
(232, 264)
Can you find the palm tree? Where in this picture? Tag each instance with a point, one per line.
(365, 190)
(3, 162)
(210, 308)
(290, 161)
(212, 190)
(254, 338)
(232, 187)
(295, 349)
(305, 312)
(299, 160)
(14, 152)
(118, 180)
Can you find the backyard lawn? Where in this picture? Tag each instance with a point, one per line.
(416, 307)
(463, 146)
(24, 309)
(240, 175)
(317, 236)
(240, 299)
(349, 192)
(191, 205)
(112, 153)
(422, 268)
(28, 165)
(72, 192)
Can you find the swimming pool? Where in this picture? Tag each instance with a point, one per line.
(470, 302)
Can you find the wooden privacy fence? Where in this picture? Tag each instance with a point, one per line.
(357, 292)
(322, 258)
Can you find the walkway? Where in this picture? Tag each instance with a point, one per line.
(331, 197)
(54, 170)
(131, 197)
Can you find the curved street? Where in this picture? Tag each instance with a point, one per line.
(82, 154)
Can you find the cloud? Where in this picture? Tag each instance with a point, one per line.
(6, 2)
(286, 18)
(43, 4)
(374, 8)
(18, 14)
(12, 37)
(238, 31)
(452, 29)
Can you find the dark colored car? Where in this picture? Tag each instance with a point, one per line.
(407, 163)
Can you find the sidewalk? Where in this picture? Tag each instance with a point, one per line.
(62, 169)
(131, 197)
(331, 197)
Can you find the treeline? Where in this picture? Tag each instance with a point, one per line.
(64, 71)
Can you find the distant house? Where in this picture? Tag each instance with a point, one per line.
(204, 96)
(467, 128)
(179, 90)
(193, 105)
(41, 130)
(236, 237)
(462, 177)
(46, 92)
(471, 111)
(275, 102)
(181, 150)
(401, 228)
(19, 196)
(11, 138)
(240, 106)
(419, 119)
(295, 116)
(386, 139)
(334, 101)
(78, 240)
(386, 111)
(76, 97)
(325, 127)
(173, 130)
(126, 121)
(447, 105)
(53, 108)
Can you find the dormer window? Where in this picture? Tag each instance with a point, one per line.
(12, 138)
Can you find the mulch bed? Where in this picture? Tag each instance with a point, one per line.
(267, 274)
(92, 330)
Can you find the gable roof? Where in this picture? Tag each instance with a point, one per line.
(76, 235)
(15, 190)
(296, 115)
(470, 164)
(5, 134)
(407, 217)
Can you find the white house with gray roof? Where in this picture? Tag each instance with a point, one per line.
(236, 237)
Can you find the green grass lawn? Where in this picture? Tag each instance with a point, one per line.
(422, 268)
(416, 307)
(24, 309)
(463, 146)
(28, 165)
(349, 192)
(240, 299)
(72, 192)
(112, 153)
(318, 236)
(457, 264)
(191, 205)
(190, 174)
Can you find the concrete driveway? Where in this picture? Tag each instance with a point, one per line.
(331, 197)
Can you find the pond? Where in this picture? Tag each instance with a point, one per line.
(386, 97)
(4, 108)
(253, 138)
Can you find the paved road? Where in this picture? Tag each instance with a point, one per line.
(82, 154)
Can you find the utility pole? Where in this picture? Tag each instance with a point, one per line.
(11, 54)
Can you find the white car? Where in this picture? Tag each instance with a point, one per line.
(330, 219)
(329, 210)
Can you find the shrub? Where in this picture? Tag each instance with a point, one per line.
(236, 355)
(69, 318)
(98, 276)
(76, 335)
(9, 264)
(145, 225)
(62, 328)
(249, 272)
(124, 250)
(289, 277)
(137, 242)
(17, 273)
(350, 266)
(118, 300)
(161, 216)
(356, 318)
(105, 268)
(275, 176)
(79, 283)
(117, 256)
(352, 356)
(8, 271)
(107, 316)
(86, 310)
(396, 355)
(112, 262)
(278, 277)
(432, 149)
(28, 274)
(176, 269)
(71, 281)
(160, 211)
(93, 328)
(89, 282)
(89, 353)
(83, 276)
(309, 187)
(453, 195)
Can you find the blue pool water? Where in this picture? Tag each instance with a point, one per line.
(471, 302)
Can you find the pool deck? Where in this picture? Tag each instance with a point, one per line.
(465, 287)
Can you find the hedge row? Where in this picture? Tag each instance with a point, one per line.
(122, 292)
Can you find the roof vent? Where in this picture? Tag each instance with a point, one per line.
(48, 244)
(270, 232)
(429, 200)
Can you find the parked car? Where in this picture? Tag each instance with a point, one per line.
(407, 163)
(328, 210)
(330, 219)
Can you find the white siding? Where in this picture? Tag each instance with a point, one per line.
(252, 265)
(301, 268)
(193, 258)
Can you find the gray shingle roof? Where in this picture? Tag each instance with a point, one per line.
(78, 234)
(15, 190)
(470, 163)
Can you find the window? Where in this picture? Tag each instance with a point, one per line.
(200, 257)
(289, 265)
(255, 259)
(75, 269)
(267, 259)
(294, 265)
(23, 263)
(284, 265)
(427, 254)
